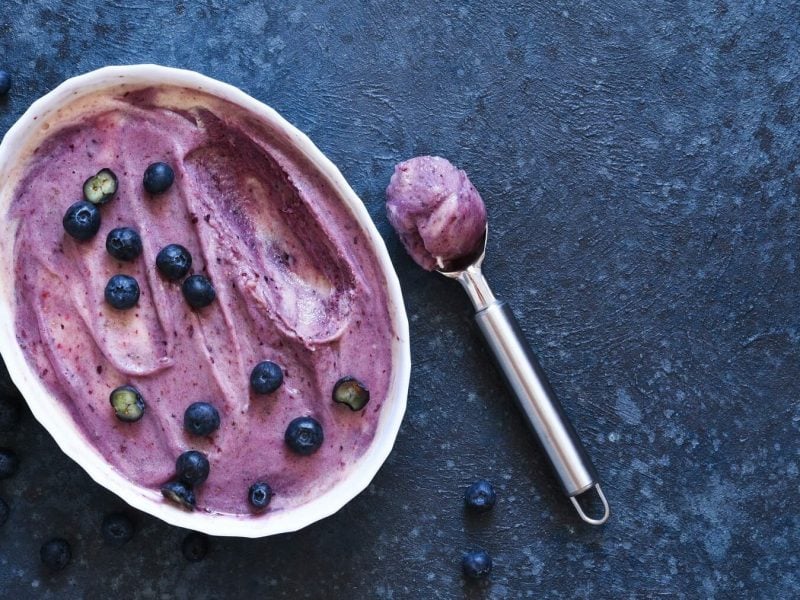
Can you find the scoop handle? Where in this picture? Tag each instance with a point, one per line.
(535, 395)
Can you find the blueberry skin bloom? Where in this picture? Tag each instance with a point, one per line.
(5, 82)
(476, 564)
(201, 418)
(9, 463)
(82, 220)
(259, 495)
(192, 467)
(124, 243)
(122, 292)
(198, 291)
(158, 178)
(304, 436)
(266, 377)
(173, 261)
(480, 496)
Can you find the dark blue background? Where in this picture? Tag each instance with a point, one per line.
(640, 166)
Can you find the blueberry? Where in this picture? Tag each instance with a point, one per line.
(195, 546)
(128, 403)
(117, 529)
(5, 82)
(4, 512)
(124, 243)
(304, 435)
(100, 188)
(198, 291)
(480, 496)
(158, 177)
(82, 220)
(122, 292)
(192, 467)
(259, 495)
(173, 261)
(351, 392)
(9, 413)
(180, 493)
(9, 463)
(201, 418)
(266, 377)
(55, 554)
(476, 564)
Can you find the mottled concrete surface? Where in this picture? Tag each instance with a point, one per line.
(640, 166)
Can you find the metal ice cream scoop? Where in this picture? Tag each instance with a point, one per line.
(529, 383)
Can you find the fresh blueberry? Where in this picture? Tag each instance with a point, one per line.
(4, 512)
(9, 463)
(195, 546)
(173, 261)
(351, 392)
(100, 188)
(124, 243)
(5, 82)
(201, 418)
(476, 564)
(304, 435)
(480, 496)
(266, 377)
(128, 403)
(122, 292)
(117, 529)
(198, 291)
(259, 495)
(192, 467)
(9, 413)
(158, 177)
(82, 220)
(179, 493)
(55, 554)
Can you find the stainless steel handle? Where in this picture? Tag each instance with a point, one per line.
(534, 394)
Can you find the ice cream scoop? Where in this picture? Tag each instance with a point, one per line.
(437, 227)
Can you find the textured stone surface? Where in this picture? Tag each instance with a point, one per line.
(640, 166)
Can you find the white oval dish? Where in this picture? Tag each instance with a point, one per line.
(24, 135)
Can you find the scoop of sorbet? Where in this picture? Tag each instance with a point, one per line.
(436, 211)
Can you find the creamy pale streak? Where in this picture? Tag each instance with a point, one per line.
(295, 278)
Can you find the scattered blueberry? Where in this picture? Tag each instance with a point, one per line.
(122, 292)
(55, 554)
(9, 463)
(351, 392)
(180, 493)
(9, 413)
(173, 261)
(480, 496)
(192, 467)
(82, 220)
(259, 495)
(198, 291)
(304, 435)
(4, 512)
(476, 564)
(5, 82)
(128, 403)
(201, 418)
(266, 377)
(195, 546)
(124, 243)
(158, 177)
(117, 529)
(100, 188)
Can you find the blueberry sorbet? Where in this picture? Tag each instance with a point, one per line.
(437, 212)
(270, 266)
